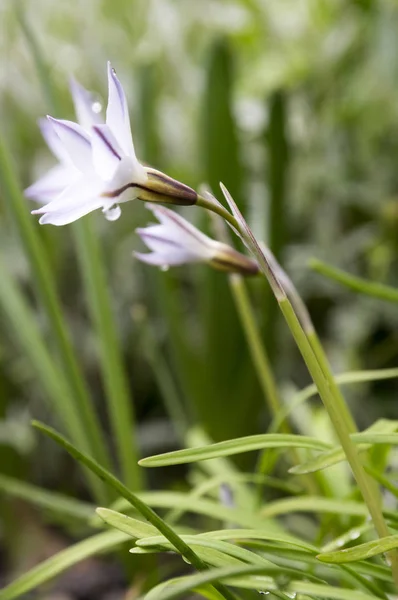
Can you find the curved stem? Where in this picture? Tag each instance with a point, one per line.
(318, 367)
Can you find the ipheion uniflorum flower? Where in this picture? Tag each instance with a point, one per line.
(174, 241)
(98, 167)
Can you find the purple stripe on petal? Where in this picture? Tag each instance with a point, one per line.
(106, 152)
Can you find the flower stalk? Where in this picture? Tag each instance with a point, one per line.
(316, 363)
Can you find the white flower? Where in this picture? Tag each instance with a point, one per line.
(174, 241)
(98, 165)
(50, 185)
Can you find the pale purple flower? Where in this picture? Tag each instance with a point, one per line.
(174, 241)
(98, 167)
(52, 183)
(100, 159)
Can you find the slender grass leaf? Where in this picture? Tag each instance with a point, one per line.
(133, 527)
(362, 551)
(118, 394)
(348, 378)
(223, 547)
(58, 393)
(356, 284)
(235, 446)
(332, 457)
(53, 501)
(177, 587)
(347, 537)
(276, 229)
(136, 502)
(265, 534)
(102, 542)
(314, 505)
(198, 506)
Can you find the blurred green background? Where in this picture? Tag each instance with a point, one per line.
(294, 106)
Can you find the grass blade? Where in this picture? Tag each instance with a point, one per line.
(50, 568)
(356, 284)
(235, 446)
(147, 512)
(133, 527)
(52, 501)
(361, 552)
(120, 404)
(92, 440)
(22, 323)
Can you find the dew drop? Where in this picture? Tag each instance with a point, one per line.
(113, 213)
(164, 268)
(96, 107)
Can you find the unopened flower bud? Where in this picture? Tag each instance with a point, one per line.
(159, 187)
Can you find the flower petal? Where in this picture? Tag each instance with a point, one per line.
(171, 250)
(52, 183)
(106, 151)
(75, 141)
(68, 216)
(84, 105)
(164, 260)
(78, 199)
(53, 141)
(176, 227)
(117, 114)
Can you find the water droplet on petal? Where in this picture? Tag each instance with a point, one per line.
(96, 107)
(113, 213)
(164, 268)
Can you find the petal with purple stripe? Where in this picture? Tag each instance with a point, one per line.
(106, 151)
(117, 114)
(75, 141)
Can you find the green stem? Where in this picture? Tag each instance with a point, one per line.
(325, 366)
(357, 284)
(164, 379)
(263, 369)
(257, 350)
(322, 377)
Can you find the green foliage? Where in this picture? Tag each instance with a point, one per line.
(293, 106)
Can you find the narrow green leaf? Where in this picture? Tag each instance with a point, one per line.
(276, 226)
(223, 547)
(314, 505)
(50, 500)
(186, 502)
(133, 527)
(260, 534)
(348, 378)
(23, 326)
(235, 446)
(327, 459)
(362, 551)
(239, 576)
(102, 542)
(118, 394)
(138, 504)
(357, 284)
(177, 587)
